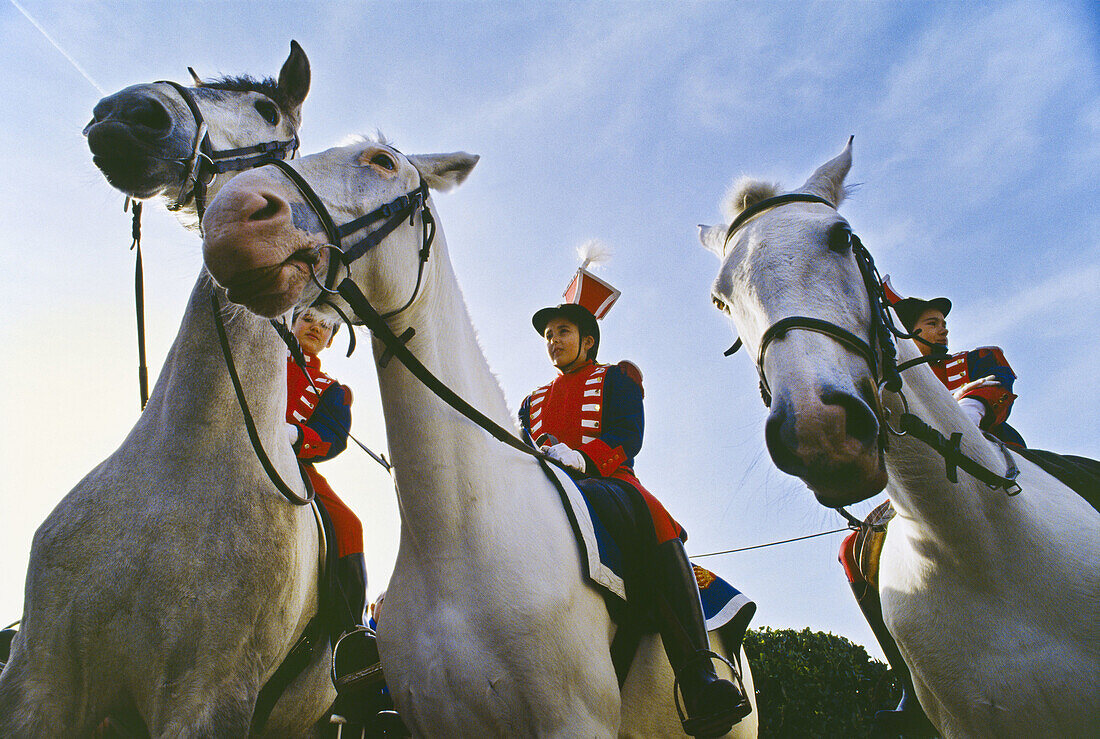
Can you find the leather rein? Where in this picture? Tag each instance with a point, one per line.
(880, 353)
(394, 213)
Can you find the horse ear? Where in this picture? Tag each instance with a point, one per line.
(444, 171)
(714, 239)
(294, 76)
(828, 180)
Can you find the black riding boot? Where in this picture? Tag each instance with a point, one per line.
(908, 719)
(356, 668)
(713, 705)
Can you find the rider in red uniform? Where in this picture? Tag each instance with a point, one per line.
(980, 379)
(590, 419)
(318, 418)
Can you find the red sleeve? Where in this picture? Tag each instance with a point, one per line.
(989, 361)
(310, 443)
(997, 400)
(605, 459)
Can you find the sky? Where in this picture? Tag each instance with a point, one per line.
(977, 154)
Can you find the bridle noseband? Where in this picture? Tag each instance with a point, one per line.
(879, 351)
(205, 163)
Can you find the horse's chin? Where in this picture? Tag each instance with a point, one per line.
(270, 291)
(136, 182)
(842, 485)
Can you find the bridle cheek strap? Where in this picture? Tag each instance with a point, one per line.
(394, 212)
(205, 163)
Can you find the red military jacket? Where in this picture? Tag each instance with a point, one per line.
(597, 410)
(959, 369)
(320, 409)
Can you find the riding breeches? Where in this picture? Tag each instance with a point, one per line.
(349, 530)
(636, 521)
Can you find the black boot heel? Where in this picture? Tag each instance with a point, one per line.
(714, 704)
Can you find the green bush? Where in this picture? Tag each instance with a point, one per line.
(813, 684)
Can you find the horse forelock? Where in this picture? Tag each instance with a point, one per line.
(246, 83)
(745, 192)
(355, 139)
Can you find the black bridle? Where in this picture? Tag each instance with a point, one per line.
(204, 163)
(392, 214)
(879, 351)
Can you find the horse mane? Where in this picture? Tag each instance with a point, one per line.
(360, 138)
(246, 83)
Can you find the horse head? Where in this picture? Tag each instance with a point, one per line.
(790, 258)
(164, 139)
(269, 231)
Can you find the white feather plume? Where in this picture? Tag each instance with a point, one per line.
(593, 252)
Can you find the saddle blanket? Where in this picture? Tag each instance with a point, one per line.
(722, 602)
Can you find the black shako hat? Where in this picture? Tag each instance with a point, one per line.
(587, 299)
(909, 309)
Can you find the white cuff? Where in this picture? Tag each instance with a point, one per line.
(974, 409)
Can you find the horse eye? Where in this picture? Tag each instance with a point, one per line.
(840, 237)
(383, 161)
(268, 111)
(720, 304)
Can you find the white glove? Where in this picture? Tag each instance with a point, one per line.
(973, 409)
(962, 390)
(292, 433)
(566, 455)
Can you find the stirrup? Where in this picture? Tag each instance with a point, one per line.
(721, 721)
(366, 674)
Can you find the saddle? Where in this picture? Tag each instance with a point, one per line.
(725, 609)
(860, 552)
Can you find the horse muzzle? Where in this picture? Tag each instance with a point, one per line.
(253, 247)
(829, 438)
(138, 142)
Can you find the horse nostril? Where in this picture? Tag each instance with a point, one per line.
(780, 440)
(149, 112)
(271, 207)
(859, 420)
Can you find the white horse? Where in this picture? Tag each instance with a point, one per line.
(167, 587)
(994, 600)
(490, 627)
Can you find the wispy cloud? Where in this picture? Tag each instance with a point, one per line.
(973, 91)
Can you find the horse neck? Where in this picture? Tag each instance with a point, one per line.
(193, 398)
(919, 486)
(453, 478)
